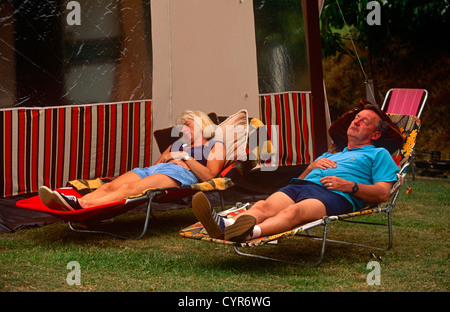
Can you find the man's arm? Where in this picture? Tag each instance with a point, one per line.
(375, 193)
(322, 163)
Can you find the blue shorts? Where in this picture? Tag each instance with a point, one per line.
(178, 173)
(335, 204)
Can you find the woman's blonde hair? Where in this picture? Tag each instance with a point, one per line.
(206, 123)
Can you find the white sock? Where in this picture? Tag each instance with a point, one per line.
(256, 232)
(228, 221)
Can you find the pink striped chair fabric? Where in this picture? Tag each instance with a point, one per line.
(405, 101)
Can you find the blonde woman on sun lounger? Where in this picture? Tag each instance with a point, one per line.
(194, 157)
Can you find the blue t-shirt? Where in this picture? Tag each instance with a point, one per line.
(365, 165)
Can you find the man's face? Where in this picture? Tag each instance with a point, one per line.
(363, 126)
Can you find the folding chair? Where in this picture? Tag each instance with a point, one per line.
(409, 125)
(405, 101)
(234, 170)
(91, 216)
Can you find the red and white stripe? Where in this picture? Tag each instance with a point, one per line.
(52, 145)
(292, 113)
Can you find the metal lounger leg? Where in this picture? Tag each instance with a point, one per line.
(389, 225)
(325, 222)
(149, 213)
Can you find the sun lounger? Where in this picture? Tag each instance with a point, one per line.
(234, 170)
(409, 127)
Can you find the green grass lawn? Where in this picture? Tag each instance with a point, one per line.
(36, 259)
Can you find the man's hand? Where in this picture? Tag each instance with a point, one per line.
(323, 163)
(337, 184)
(375, 193)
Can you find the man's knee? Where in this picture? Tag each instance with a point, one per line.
(264, 208)
(258, 204)
(306, 211)
(293, 212)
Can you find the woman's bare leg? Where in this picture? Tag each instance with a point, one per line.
(129, 188)
(109, 187)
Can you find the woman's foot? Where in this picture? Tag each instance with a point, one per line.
(57, 201)
(69, 201)
(48, 199)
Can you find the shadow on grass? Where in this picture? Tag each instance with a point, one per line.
(289, 250)
(130, 225)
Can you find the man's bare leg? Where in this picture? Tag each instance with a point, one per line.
(261, 211)
(305, 211)
(276, 217)
(269, 207)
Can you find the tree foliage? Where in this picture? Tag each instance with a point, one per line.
(416, 24)
(409, 49)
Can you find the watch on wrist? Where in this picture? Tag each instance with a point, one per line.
(186, 157)
(355, 188)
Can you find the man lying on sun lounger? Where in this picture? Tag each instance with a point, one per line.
(333, 184)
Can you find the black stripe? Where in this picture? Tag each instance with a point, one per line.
(54, 147)
(28, 156)
(300, 118)
(148, 133)
(62, 165)
(79, 156)
(2, 154)
(106, 133)
(283, 129)
(36, 157)
(130, 125)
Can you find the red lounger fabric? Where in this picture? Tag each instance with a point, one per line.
(97, 213)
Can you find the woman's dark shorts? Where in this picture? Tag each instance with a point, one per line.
(335, 204)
